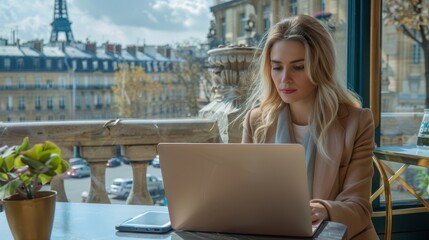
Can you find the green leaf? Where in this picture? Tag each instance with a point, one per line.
(9, 151)
(64, 166)
(43, 178)
(54, 160)
(25, 145)
(4, 177)
(50, 172)
(34, 152)
(10, 162)
(32, 164)
(9, 188)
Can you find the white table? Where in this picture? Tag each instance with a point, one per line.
(93, 221)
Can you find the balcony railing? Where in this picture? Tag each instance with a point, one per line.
(98, 140)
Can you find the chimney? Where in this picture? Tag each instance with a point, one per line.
(132, 50)
(150, 50)
(91, 47)
(3, 42)
(34, 44)
(118, 49)
(38, 45)
(109, 48)
(164, 50)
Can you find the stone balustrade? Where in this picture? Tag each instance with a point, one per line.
(98, 140)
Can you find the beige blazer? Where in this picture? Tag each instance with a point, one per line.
(342, 184)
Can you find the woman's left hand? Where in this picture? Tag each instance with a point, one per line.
(318, 212)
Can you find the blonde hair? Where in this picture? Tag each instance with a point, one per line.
(320, 69)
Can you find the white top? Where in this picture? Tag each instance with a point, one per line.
(299, 132)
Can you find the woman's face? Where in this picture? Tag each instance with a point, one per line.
(288, 73)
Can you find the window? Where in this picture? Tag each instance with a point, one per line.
(77, 102)
(149, 66)
(10, 103)
(48, 64)
(84, 64)
(105, 65)
(21, 103)
(106, 82)
(74, 64)
(37, 82)
(97, 81)
(76, 81)
(416, 53)
(243, 21)
(223, 25)
(20, 63)
(21, 83)
(293, 7)
(95, 65)
(37, 103)
(62, 102)
(98, 101)
(86, 81)
(107, 99)
(62, 82)
(36, 63)
(322, 5)
(50, 103)
(267, 14)
(8, 83)
(88, 102)
(49, 84)
(6, 63)
(60, 64)
(403, 100)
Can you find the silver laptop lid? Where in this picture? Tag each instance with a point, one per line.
(237, 188)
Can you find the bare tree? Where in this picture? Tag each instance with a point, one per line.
(194, 75)
(132, 90)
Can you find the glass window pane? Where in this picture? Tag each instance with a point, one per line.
(403, 82)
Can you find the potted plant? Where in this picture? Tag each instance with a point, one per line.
(23, 171)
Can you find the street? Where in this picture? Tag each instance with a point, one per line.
(75, 186)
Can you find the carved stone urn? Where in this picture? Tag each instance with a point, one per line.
(231, 79)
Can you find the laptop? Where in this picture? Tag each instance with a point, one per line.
(237, 188)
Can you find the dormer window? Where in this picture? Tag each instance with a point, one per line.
(6, 63)
(48, 64)
(20, 63)
(84, 64)
(95, 64)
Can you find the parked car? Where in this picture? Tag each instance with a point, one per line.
(77, 161)
(121, 188)
(113, 162)
(79, 171)
(155, 161)
(123, 159)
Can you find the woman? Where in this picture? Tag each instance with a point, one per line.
(296, 98)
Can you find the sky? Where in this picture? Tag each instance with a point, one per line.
(126, 22)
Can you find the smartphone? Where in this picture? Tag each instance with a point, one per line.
(147, 222)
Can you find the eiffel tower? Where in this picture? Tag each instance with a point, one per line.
(61, 22)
